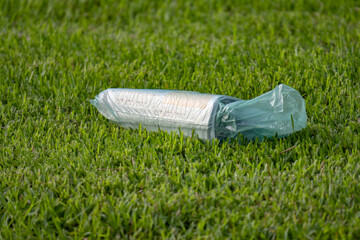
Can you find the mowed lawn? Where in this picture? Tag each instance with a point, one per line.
(67, 172)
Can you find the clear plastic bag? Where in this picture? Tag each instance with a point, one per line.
(280, 112)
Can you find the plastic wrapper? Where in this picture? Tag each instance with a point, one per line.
(278, 112)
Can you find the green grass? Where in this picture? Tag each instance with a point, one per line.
(67, 172)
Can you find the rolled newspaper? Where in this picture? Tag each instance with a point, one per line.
(278, 112)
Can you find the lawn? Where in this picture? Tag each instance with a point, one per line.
(68, 172)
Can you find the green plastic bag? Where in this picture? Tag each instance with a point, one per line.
(278, 112)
